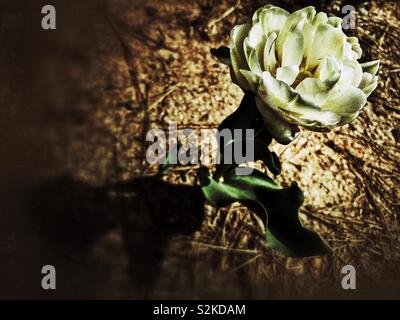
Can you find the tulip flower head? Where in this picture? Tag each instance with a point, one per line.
(302, 69)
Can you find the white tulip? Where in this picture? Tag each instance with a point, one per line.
(302, 69)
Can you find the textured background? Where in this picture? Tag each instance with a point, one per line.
(76, 104)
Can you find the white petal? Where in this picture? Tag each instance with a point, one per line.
(366, 80)
(309, 30)
(251, 78)
(256, 15)
(320, 18)
(260, 50)
(285, 101)
(355, 46)
(273, 19)
(305, 113)
(349, 53)
(277, 93)
(335, 22)
(238, 34)
(356, 71)
(313, 89)
(308, 13)
(251, 57)
(328, 71)
(247, 48)
(350, 75)
(327, 41)
(280, 130)
(293, 48)
(371, 67)
(254, 63)
(269, 53)
(287, 74)
(255, 40)
(255, 35)
(318, 89)
(368, 83)
(350, 101)
(239, 79)
(371, 87)
(308, 35)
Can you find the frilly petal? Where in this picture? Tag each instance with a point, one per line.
(287, 74)
(307, 13)
(291, 106)
(273, 19)
(293, 48)
(350, 101)
(371, 67)
(327, 41)
(237, 76)
(238, 34)
(269, 53)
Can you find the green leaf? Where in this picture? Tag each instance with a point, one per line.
(278, 207)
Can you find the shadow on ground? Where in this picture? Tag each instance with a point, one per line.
(71, 216)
